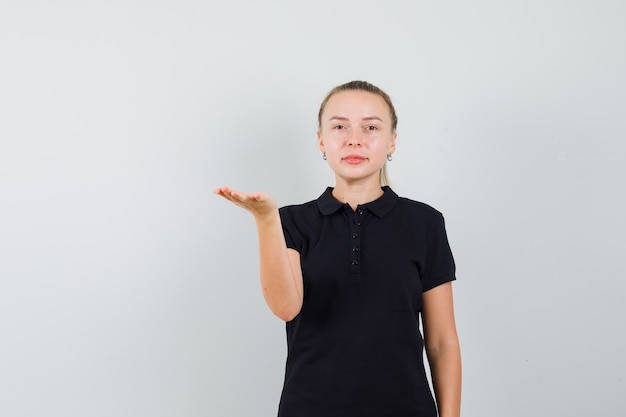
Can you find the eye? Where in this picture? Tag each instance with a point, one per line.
(371, 127)
(339, 127)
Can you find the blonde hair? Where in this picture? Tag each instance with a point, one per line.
(370, 88)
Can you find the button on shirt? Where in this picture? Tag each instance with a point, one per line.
(355, 348)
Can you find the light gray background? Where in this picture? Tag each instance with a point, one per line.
(128, 289)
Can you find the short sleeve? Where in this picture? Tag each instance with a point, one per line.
(292, 237)
(439, 266)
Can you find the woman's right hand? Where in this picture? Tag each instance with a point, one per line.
(260, 204)
(280, 270)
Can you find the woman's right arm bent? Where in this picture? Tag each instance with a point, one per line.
(281, 273)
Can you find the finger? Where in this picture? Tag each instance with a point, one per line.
(238, 195)
(240, 198)
(228, 193)
(222, 190)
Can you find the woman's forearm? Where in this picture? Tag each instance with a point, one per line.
(445, 365)
(281, 276)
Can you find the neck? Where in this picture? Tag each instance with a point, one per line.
(357, 193)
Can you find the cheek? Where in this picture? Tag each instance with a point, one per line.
(332, 141)
(381, 143)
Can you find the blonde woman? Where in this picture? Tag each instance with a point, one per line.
(352, 271)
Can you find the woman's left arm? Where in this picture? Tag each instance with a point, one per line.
(442, 348)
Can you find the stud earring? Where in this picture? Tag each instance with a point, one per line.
(389, 157)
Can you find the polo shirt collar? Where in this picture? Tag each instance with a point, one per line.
(383, 205)
(380, 207)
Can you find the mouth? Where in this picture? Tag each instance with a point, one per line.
(354, 159)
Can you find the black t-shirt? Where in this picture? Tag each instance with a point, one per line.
(355, 349)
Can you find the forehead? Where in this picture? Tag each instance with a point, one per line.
(358, 103)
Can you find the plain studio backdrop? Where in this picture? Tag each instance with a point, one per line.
(128, 289)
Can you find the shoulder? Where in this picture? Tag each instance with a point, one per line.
(418, 209)
(299, 221)
(300, 215)
(313, 208)
(298, 209)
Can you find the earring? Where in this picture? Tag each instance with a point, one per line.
(389, 157)
(324, 156)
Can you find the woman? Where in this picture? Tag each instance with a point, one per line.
(352, 271)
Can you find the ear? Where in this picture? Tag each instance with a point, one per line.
(320, 141)
(392, 144)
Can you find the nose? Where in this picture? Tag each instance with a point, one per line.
(355, 138)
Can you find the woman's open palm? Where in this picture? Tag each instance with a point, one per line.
(259, 204)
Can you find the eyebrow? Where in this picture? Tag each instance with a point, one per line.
(365, 118)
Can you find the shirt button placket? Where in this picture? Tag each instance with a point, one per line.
(356, 241)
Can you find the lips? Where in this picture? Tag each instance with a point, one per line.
(354, 159)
